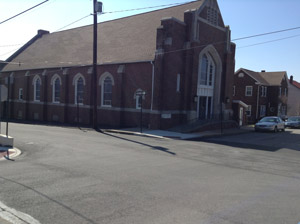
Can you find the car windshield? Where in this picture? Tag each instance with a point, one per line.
(294, 119)
(268, 119)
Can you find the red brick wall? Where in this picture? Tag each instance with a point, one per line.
(240, 84)
(172, 38)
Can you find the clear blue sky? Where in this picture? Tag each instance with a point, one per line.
(245, 17)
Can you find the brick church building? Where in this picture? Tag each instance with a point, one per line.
(182, 57)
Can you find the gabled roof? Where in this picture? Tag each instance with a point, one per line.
(128, 39)
(256, 76)
(266, 78)
(295, 83)
(274, 78)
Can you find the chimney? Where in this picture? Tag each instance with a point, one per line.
(291, 79)
(42, 32)
(263, 70)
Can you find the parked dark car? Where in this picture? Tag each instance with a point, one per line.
(270, 124)
(293, 122)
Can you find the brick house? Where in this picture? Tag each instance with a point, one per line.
(293, 98)
(264, 93)
(181, 57)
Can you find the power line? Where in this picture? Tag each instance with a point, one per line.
(73, 22)
(264, 34)
(24, 11)
(126, 10)
(10, 45)
(270, 41)
(9, 52)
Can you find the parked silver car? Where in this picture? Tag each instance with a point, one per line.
(293, 122)
(270, 124)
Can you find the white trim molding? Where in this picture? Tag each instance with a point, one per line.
(34, 80)
(76, 77)
(103, 76)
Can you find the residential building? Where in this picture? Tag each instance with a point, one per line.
(2, 64)
(264, 93)
(182, 57)
(293, 98)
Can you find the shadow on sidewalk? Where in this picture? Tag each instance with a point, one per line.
(159, 148)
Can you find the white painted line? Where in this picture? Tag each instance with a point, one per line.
(12, 153)
(14, 216)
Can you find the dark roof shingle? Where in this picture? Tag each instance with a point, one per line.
(122, 40)
(267, 78)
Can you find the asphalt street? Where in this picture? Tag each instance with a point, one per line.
(72, 175)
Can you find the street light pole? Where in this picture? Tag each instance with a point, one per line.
(97, 9)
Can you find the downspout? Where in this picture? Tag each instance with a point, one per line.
(152, 94)
(257, 102)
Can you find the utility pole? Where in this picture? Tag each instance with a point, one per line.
(97, 9)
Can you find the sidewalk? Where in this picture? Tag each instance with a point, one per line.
(178, 135)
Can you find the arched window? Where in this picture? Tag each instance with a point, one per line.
(107, 91)
(79, 83)
(56, 90)
(207, 72)
(37, 88)
(79, 91)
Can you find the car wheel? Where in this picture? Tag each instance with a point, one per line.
(283, 129)
(275, 129)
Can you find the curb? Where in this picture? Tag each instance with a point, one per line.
(203, 136)
(217, 135)
(132, 133)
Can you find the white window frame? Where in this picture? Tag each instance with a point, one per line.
(266, 90)
(137, 98)
(76, 91)
(280, 91)
(102, 92)
(263, 110)
(101, 83)
(20, 93)
(178, 83)
(138, 105)
(35, 79)
(249, 109)
(208, 72)
(263, 91)
(53, 90)
(285, 91)
(249, 89)
(75, 80)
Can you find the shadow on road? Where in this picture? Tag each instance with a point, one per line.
(243, 145)
(159, 148)
(271, 142)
